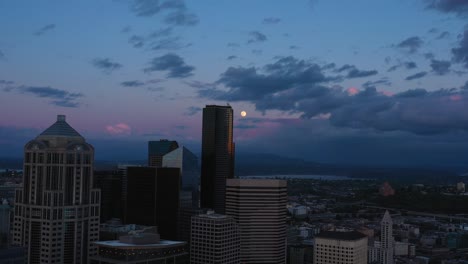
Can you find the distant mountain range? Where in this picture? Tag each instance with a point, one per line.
(270, 164)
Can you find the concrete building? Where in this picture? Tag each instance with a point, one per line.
(259, 208)
(56, 214)
(141, 248)
(157, 149)
(386, 239)
(214, 240)
(340, 247)
(217, 162)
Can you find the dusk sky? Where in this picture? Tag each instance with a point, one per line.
(352, 82)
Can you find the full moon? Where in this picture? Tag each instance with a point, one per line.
(243, 113)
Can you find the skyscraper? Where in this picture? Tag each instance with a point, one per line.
(153, 199)
(386, 239)
(217, 162)
(157, 149)
(259, 208)
(57, 209)
(214, 239)
(340, 247)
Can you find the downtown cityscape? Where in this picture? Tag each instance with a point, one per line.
(237, 132)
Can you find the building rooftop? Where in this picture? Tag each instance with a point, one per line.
(119, 244)
(60, 128)
(161, 147)
(354, 235)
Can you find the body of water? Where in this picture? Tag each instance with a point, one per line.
(311, 177)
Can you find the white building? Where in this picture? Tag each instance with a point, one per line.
(340, 247)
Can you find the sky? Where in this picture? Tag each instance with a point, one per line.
(349, 82)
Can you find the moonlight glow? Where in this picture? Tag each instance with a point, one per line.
(243, 113)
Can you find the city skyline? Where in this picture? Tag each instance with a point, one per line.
(326, 81)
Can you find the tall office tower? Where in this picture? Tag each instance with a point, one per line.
(386, 239)
(340, 247)
(5, 210)
(259, 208)
(153, 199)
(187, 162)
(57, 209)
(217, 162)
(214, 239)
(110, 184)
(157, 149)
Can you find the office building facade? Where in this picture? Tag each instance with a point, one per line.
(56, 214)
(218, 150)
(340, 247)
(157, 149)
(214, 240)
(152, 199)
(386, 239)
(259, 208)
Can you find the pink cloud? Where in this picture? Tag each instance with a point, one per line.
(387, 93)
(456, 97)
(352, 91)
(119, 129)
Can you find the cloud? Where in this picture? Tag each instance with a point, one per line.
(5, 82)
(411, 44)
(460, 54)
(181, 19)
(126, 29)
(429, 55)
(231, 57)
(233, 45)
(44, 29)
(418, 75)
(296, 86)
(271, 20)
(294, 47)
(192, 110)
(177, 12)
(106, 65)
(257, 36)
(137, 41)
(409, 65)
(2, 56)
(440, 67)
(134, 83)
(161, 39)
(119, 129)
(459, 7)
(443, 35)
(172, 63)
(355, 73)
(59, 97)
(383, 81)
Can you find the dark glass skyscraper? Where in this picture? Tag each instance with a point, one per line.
(217, 163)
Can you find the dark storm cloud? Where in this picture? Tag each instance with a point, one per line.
(44, 29)
(59, 97)
(173, 63)
(460, 53)
(106, 65)
(411, 44)
(176, 14)
(418, 75)
(440, 67)
(192, 110)
(356, 73)
(134, 83)
(271, 20)
(257, 36)
(459, 7)
(292, 85)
